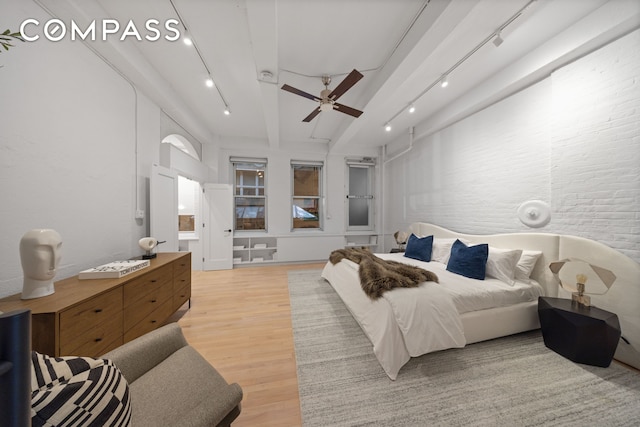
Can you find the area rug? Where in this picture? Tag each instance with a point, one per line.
(511, 381)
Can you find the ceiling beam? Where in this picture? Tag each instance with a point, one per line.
(262, 20)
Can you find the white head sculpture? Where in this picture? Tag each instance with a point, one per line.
(40, 255)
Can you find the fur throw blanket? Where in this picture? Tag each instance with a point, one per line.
(378, 276)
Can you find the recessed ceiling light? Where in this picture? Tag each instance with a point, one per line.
(387, 127)
(412, 108)
(444, 82)
(209, 82)
(227, 111)
(187, 40)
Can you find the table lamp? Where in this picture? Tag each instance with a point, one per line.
(401, 238)
(600, 279)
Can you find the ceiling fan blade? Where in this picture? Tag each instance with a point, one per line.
(299, 92)
(346, 84)
(347, 110)
(312, 115)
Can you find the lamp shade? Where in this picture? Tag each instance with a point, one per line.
(597, 280)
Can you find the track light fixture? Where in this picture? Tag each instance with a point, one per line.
(209, 82)
(498, 40)
(387, 127)
(412, 109)
(227, 111)
(444, 82)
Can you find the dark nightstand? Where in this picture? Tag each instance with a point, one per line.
(396, 251)
(580, 333)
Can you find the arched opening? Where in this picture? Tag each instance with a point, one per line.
(181, 143)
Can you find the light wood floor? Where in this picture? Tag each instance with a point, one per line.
(240, 321)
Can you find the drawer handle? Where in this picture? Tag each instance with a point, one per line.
(98, 339)
(154, 280)
(153, 321)
(154, 300)
(97, 310)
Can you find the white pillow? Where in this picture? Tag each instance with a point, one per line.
(441, 249)
(526, 264)
(502, 263)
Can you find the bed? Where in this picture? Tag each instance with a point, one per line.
(398, 330)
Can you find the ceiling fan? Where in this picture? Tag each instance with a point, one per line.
(328, 97)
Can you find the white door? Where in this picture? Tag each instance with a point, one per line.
(218, 227)
(163, 199)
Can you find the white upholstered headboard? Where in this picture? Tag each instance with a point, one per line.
(623, 298)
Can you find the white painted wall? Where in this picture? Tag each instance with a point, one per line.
(76, 145)
(572, 140)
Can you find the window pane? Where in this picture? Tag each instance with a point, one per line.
(249, 179)
(306, 213)
(358, 181)
(360, 203)
(358, 212)
(306, 180)
(250, 213)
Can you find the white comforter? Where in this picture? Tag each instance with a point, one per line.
(427, 318)
(409, 322)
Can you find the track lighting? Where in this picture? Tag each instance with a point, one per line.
(189, 41)
(498, 40)
(495, 37)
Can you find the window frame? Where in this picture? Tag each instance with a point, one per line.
(244, 162)
(370, 165)
(319, 197)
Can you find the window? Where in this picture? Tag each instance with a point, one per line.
(306, 203)
(360, 175)
(250, 200)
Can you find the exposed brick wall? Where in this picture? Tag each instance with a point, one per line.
(595, 172)
(572, 140)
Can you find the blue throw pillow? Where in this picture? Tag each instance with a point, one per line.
(419, 248)
(468, 261)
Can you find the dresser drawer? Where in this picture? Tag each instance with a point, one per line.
(182, 280)
(144, 306)
(89, 328)
(152, 321)
(182, 265)
(181, 296)
(143, 285)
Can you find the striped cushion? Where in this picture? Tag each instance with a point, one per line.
(74, 391)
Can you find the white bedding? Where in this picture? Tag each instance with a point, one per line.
(406, 323)
(471, 294)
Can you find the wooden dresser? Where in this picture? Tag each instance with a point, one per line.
(91, 317)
